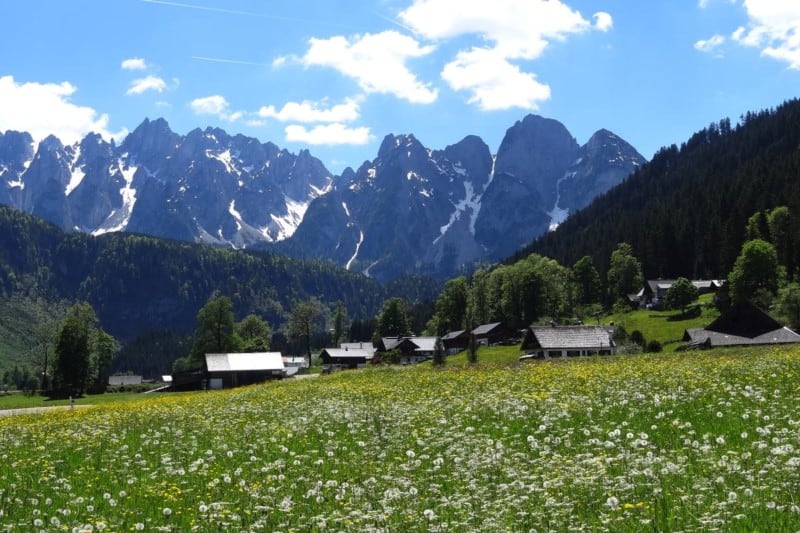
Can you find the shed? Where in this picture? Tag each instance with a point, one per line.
(225, 370)
(558, 341)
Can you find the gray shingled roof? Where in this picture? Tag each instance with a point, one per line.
(483, 329)
(698, 336)
(572, 337)
(453, 335)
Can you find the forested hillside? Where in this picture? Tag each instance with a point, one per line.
(141, 284)
(685, 212)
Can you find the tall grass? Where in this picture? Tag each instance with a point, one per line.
(691, 442)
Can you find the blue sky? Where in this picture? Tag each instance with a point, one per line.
(336, 77)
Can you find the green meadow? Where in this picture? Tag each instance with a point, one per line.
(697, 441)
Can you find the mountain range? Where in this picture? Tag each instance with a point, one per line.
(410, 210)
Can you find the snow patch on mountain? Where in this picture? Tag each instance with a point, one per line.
(226, 158)
(355, 254)
(471, 201)
(118, 220)
(558, 214)
(77, 172)
(237, 217)
(286, 225)
(316, 192)
(477, 202)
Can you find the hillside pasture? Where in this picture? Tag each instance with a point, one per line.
(691, 442)
(666, 327)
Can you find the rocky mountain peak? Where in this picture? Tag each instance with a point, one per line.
(411, 209)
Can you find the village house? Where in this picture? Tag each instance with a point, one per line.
(411, 349)
(495, 333)
(567, 341)
(655, 290)
(226, 370)
(455, 341)
(368, 346)
(744, 324)
(346, 357)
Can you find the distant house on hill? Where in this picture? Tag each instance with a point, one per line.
(655, 290)
(495, 333)
(568, 341)
(744, 324)
(346, 357)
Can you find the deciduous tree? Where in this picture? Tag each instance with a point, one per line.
(587, 281)
(73, 349)
(393, 318)
(302, 322)
(215, 330)
(681, 294)
(255, 334)
(756, 269)
(624, 272)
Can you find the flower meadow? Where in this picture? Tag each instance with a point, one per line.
(683, 442)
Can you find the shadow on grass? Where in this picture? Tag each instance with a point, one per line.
(691, 313)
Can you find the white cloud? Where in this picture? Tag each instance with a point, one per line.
(313, 112)
(217, 106)
(376, 61)
(603, 21)
(709, 45)
(42, 109)
(148, 83)
(512, 30)
(516, 28)
(774, 27)
(134, 63)
(494, 82)
(328, 134)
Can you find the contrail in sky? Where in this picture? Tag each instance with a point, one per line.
(233, 61)
(236, 12)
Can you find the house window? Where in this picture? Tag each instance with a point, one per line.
(573, 353)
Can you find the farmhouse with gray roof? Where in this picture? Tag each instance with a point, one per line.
(558, 341)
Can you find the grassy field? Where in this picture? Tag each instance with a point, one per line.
(19, 400)
(693, 442)
(666, 327)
